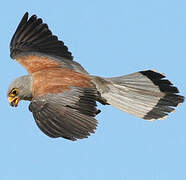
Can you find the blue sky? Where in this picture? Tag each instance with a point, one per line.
(109, 38)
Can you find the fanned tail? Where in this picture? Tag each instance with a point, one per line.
(145, 94)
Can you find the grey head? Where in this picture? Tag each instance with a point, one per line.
(20, 89)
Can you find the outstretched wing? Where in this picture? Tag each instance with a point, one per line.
(34, 36)
(35, 47)
(69, 115)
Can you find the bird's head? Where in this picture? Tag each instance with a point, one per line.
(20, 89)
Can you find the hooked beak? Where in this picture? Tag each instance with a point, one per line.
(13, 101)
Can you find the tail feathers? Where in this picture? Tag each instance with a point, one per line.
(145, 94)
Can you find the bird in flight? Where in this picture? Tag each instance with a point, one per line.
(63, 94)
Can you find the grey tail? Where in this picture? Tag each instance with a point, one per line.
(145, 94)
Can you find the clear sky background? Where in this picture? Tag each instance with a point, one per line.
(109, 38)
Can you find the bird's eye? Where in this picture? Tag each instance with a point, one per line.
(14, 92)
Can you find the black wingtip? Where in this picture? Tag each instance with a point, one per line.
(13, 40)
(26, 15)
(23, 21)
(24, 18)
(33, 36)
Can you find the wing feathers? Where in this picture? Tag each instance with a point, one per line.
(69, 114)
(33, 36)
(36, 33)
